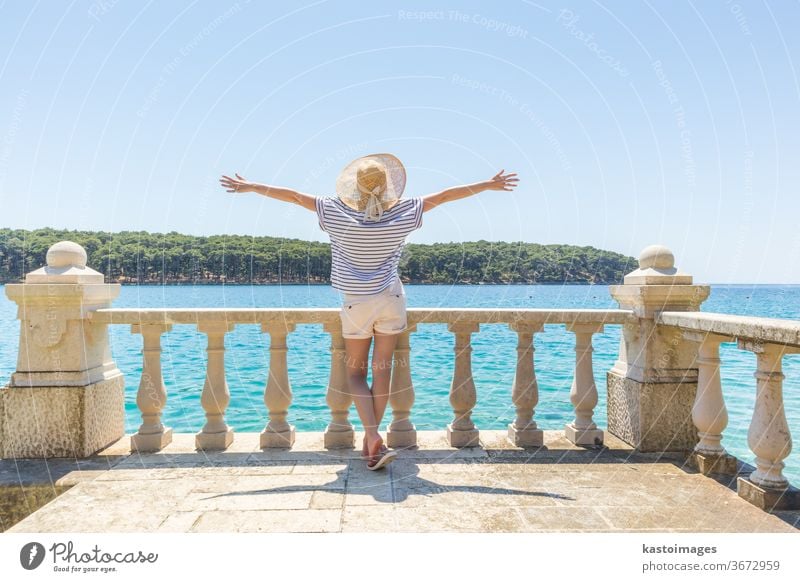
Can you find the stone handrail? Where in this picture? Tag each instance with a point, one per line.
(280, 322)
(768, 436)
(764, 329)
(330, 315)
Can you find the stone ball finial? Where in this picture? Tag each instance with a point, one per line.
(656, 257)
(66, 254)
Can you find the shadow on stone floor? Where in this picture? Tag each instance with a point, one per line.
(352, 482)
(244, 480)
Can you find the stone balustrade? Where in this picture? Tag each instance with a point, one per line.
(663, 392)
(280, 322)
(768, 437)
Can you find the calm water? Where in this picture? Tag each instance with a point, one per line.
(431, 356)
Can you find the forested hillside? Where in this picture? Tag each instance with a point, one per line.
(143, 257)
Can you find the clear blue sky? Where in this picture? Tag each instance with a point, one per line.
(628, 123)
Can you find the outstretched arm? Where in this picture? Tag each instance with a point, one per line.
(500, 181)
(240, 186)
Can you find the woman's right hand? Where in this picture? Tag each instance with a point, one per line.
(237, 185)
(502, 181)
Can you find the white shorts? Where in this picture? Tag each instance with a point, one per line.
(382, 313)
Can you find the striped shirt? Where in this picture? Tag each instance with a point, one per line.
(365, 255)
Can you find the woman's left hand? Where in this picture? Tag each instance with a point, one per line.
(238, 184)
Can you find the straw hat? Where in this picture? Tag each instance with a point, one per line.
(372, 184)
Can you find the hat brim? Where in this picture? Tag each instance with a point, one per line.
(347, 190)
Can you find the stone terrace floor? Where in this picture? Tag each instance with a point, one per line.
(434, 488)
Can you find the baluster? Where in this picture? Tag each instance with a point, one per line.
(216, 434)
(709, 414)
(278, 393)
(628, 335)
(462, 432)
(152, 395)
(401, 431)
(583, 394)
(340, 433)
(769, 437)
(523, 432)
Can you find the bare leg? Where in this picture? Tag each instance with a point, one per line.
(357, 358)
(382, 360)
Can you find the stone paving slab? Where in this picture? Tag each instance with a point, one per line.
(430, 488)
(28, 484)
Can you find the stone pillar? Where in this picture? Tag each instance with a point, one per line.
(583, 393)
(524, 432)
(216, 435)
(339, 434)
(769, 436)
(401, 432)
(709, 413)
(66, 398)
(652, 386)
(462, 432)
(152, 395)
(278, 394)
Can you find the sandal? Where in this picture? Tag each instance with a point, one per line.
(385, 458)
(381, 458)
(367, 457)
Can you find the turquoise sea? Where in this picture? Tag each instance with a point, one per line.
(431, 356)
